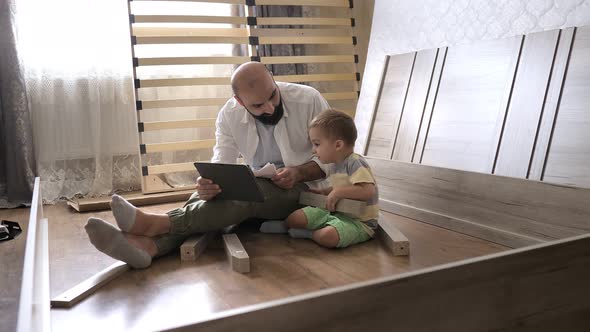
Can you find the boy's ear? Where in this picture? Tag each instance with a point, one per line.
(339, 144)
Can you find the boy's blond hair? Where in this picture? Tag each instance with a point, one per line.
(336, 125)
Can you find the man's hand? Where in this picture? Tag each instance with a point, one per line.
(286, 177)
(207, 189)
(332, 200)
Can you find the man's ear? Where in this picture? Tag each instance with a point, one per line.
(239, 100)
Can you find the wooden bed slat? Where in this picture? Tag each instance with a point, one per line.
(189, 19)
(183, 124)
(180, 146)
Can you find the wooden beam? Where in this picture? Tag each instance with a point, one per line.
(136, 198)
(33, 308)
(191, 19)
(191, 40)
(192, 247)
(540, 288)
(203, 60)
(82, 290)
(274, 60)
(180, 146)
(171, 168)
(395, 240)
(151, 83)
(236, 254)
(149, 104)
(343, 205)
(143, 31)
(352, 95)
(305, 40)
(182, 124)
(302, 21)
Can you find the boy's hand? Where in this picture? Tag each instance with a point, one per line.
(286, 177)
(332, 200)
(207, 189)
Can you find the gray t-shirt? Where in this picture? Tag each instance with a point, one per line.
(267, 150)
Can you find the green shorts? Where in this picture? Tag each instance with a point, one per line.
(350, 230)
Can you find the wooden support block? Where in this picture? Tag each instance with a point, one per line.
(195, 245)
(395, 240)
(237, 255)
(356, 208)
(79, 292)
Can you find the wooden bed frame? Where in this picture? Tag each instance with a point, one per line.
(540, 285)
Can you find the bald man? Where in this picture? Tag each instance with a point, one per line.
(265, 121)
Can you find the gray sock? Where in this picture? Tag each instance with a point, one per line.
(300, 233)
(109, 240)
(274, 226)
(124, 212)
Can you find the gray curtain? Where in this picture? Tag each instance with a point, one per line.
(17, 158)
(282, 49)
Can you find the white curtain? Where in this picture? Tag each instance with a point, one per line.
(77, 59)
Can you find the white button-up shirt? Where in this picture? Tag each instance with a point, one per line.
(236, 132)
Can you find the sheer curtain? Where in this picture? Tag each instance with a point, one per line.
(78, 74)
(17, 164)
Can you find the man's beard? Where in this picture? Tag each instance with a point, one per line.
(270, 119)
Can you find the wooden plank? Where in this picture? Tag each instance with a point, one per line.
(538, 288)
(496, 235)
(553, 96)
(344, 205)
(236, 254)
(171, 168)
(192, 247)
(151, 83)
(149, 31)
(162, 125)
(303, 21)
(412, 112)
(430, 101)
(82, 290)
(305, 40)
(273, 60)
(191, 40)
(390, 104)
(321, 3)
(301, 32)
(352, 95)
(531, 209)
(526, 104)
(149, 104)
(180, 146)
(140, 18)
(568, 158)
(393, 239)
(204, 60)
(136, 198)
(33, 307)
(469, 111)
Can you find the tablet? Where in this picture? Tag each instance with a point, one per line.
(237, 182)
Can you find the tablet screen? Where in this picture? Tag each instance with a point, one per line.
(237, 182)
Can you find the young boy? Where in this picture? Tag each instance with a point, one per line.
(333, 135)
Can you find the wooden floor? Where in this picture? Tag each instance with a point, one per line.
(171, 293)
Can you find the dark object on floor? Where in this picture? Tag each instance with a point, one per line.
(9, 230)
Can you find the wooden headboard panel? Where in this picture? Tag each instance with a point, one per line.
(518, 107)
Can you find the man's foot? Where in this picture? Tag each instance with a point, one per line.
(274, 226)
(124, 212)
(111, 241)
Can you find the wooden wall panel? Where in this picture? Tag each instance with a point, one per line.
(390, 105)
(546, 124)
(413, 110)
(568, 160)
(472, 99)
(526, 104)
